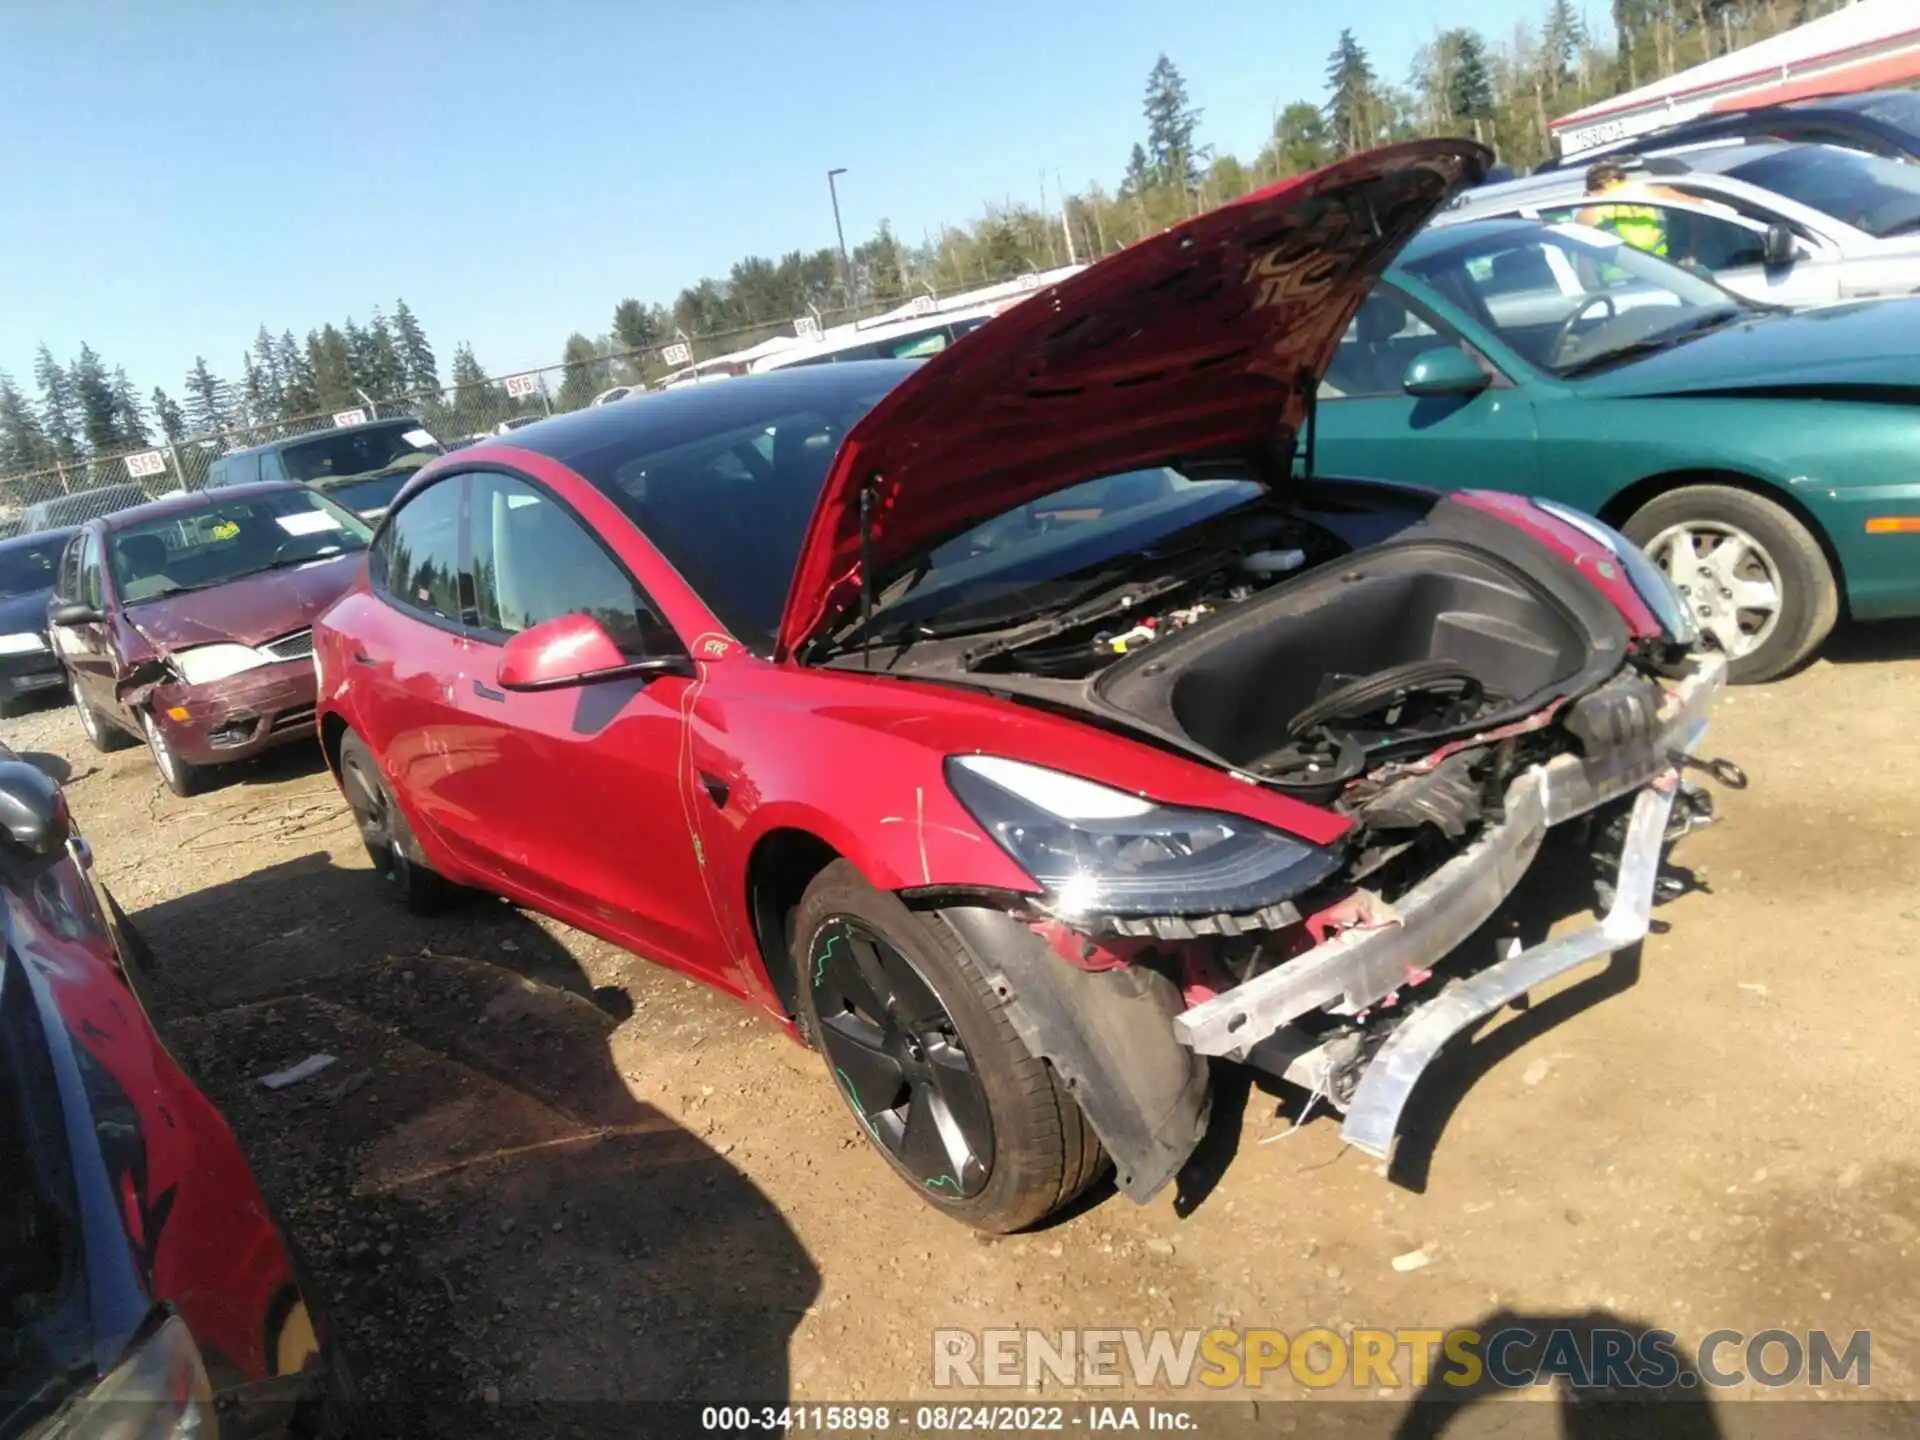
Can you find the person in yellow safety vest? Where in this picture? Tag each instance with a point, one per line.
(1642, 226)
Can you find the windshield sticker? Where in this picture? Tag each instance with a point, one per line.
(418, 437)
(225, 530)
(306, 522)
(1586, 234)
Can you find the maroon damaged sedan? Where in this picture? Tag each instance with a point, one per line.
(188, 623)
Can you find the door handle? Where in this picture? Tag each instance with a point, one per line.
(487, 692)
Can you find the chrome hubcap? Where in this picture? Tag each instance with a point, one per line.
(162, 752)
(1728, 580)
(86, 716)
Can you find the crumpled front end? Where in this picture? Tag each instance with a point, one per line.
(1358, 1017)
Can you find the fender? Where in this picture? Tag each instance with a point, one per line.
(1108, 1033)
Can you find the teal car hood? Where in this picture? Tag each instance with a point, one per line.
(1868, 344)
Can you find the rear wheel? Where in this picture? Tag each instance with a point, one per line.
(182, 778)
(383, 830)
(101, 734)
(1755, 579)
(921, 1050)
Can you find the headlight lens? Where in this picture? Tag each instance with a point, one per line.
(1097, 850)
(21, 644)
(160, 1391)
(1652, 583)
(204, 664)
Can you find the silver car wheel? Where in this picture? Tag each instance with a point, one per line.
(1728, 580)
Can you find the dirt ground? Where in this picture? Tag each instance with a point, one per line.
(542, 1170)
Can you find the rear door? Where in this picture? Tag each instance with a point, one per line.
(579, 796)
(1366, 425)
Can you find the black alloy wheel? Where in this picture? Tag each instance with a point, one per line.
(384, 832)
(897, 1056)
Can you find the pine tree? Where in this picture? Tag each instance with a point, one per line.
(1171, 123)
(416, 355)
(386, 376)
(209, 399)
(1139, 177)
(581, 380)
(129, 414)
(23, 441)
(299, 392)
(92, 391)
(1560, 40)
(1469, 90)
(331, 362)
(271, 382)
(167, 414)
(58, 413)
(1301, 141)
(1353, 103)
(473, 397)
(634, 326)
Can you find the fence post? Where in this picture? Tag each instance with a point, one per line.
(179, 470)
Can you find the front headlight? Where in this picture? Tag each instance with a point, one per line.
(1098, 850)
(21, 644)
(1651, 582)
(159, 1391)
(204, 664)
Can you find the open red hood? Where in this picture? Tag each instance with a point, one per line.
(1207, 337)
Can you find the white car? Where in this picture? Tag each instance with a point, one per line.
(913, 338)
(1793, 225)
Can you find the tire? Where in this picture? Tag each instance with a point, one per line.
(103, 735)
(1041, 1153)
(1779, 552)
(182, 778)
(384, 831)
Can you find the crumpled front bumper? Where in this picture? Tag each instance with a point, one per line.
(240, 716)
(1359, 969)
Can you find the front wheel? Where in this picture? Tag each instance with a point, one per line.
(102, 734)
(182, 779)
(921, 1050)
(1755, 578)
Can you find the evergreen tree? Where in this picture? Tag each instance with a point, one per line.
(209, 399)
(582, 379)
(270, 382)
(1301, 140)
(386, 376)
(1353, 102)
(299, 393)
(1561, 39)
(172, 423)
(23, 441)
(359, 357)
(129, 414)
(1139, 177)
(330, 361)
(58, 413)
(635, 327)
(416, 355)
(1171, 123)
(1469, 90)
(92, 391)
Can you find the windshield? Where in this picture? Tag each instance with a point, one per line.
(363, 496)
(1881, 197)
(28, 568)
(1569, 298)
(368, 450)
(223, 541)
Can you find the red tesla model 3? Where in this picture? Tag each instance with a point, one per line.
(1018, 728)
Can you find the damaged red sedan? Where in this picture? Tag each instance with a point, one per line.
(1020, 729)
(188, 623)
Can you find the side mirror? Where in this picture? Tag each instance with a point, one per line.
(74, 612)
(575, 650)
(33, 810)
(1777, 248)
(1446, 370)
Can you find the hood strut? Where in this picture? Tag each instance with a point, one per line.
(866, 575)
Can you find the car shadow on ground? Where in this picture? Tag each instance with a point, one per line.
(1674, 1407)
(1863, 643)
(509, 1241)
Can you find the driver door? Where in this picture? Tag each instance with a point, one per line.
(1366, 425)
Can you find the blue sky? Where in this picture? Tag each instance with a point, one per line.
(176, 174)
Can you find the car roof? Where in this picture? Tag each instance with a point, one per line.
(673, 416)
(286, 440)
(187, 504)
(1446, 237)
(39, 537)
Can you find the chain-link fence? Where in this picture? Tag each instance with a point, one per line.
(68, 494)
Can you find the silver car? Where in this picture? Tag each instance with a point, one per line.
(1792, 225)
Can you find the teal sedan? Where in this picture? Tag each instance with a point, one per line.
(1768, 461)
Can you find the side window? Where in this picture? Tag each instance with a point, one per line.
(1372, 357)
(67, 585)
(270, 466)
(533, 561)
(417, 558)
(90, 591)
(219, 474)
(1709, 242)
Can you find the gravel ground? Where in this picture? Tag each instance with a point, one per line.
(542, 1170)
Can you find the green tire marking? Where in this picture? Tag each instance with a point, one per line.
(937, 1181)
(820, 961)
(859, 1108)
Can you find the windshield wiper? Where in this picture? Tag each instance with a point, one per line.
(1652, 344)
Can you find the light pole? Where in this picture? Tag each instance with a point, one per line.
(846, 269)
